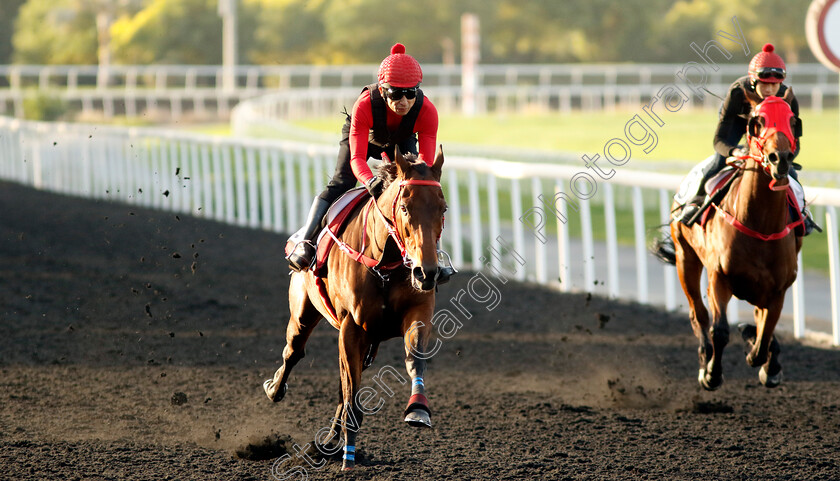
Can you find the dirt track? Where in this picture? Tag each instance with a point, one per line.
(109, 311)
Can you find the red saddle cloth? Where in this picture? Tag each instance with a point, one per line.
(336, 217)
(719, 181)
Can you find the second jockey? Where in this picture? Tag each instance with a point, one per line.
(765, 78)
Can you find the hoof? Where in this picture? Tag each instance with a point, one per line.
(706, 381)
(279, 391)
(348, 465)
(768, 380)
(419, 419)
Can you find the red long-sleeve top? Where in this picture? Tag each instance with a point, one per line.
(425, 126)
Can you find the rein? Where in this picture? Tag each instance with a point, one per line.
(369, 262)
(390, 224)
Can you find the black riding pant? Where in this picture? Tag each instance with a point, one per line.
(343, 178)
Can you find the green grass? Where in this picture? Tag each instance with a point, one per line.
(686, 136)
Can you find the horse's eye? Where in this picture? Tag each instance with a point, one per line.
(404, 209)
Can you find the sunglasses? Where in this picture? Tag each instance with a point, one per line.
(397, 93)
(769, 72)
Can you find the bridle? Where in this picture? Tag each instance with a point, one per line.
(375, 265)
(390, 223)
(773, 112)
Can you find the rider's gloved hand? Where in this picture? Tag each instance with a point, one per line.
(739, 152)
(374, 186)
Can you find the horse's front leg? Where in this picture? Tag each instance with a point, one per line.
(764, 348)
(352, 346)
(416, 340)
(719, 296)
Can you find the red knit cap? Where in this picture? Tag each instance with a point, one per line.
(766, 59)
(400, 70)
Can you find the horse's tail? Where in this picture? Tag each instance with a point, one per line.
(663, 248)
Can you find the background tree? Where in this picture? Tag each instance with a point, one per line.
(273, 32)
(287, 32)
(174, 32)
(363, 31)
(54, 32)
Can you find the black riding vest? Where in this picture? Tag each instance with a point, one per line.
(379, 134)
(746, 108)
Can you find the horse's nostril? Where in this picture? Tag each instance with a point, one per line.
(418, 273)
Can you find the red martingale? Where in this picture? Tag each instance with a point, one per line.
(731, 220)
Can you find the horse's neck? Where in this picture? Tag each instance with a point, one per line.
(757, 206)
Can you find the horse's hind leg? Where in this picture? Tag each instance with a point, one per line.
(331, 443)
(690, 269)
(719, 296)
(304, 317)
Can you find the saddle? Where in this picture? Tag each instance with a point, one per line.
(336, 216)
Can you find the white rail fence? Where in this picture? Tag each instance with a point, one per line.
(175, 90)
(497, 208)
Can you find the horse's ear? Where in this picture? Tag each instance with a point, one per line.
(437, 167)
(751, 97)
(754, 126)
(402, 165)
(788, 96)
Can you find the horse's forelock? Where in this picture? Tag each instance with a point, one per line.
(387, 171)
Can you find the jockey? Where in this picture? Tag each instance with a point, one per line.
(391, 112)
(766, 73)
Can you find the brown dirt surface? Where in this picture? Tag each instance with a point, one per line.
(133, 345)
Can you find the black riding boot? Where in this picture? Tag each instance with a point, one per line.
(810, 223)
(690, 210)
(692, 207)
(304, 252)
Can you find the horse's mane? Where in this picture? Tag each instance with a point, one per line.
(387, 171)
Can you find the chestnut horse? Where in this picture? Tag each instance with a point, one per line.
(398, 230)
(748, 248)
